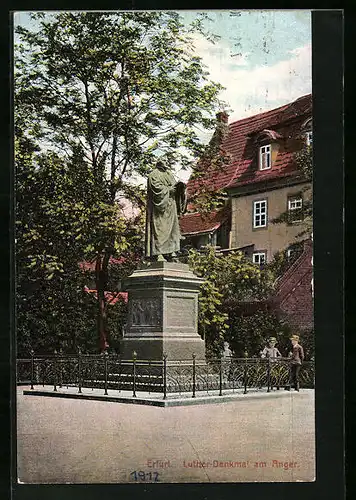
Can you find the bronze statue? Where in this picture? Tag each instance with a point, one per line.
(166, 200)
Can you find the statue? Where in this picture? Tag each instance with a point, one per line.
(166, 200)
(226, 353)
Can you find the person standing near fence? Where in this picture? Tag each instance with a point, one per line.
(271, 350)
(296, 359)
(272, 353)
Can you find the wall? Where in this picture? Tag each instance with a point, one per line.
(274, 237)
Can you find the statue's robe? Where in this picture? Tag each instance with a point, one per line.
(165, 201)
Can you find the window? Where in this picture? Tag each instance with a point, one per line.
(265, 157)
(259, 257)
(295, 250)
(295, 203)
(260, 213)
(295, 207)
(309, 138)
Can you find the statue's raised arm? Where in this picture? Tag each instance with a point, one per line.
(166, 200)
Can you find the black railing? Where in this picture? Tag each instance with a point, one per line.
(176, 378)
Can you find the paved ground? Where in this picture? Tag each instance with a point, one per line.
(155, 399)
(78, 441)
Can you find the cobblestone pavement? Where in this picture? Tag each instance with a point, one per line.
(76, 441)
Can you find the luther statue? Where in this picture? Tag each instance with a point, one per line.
(166, 200)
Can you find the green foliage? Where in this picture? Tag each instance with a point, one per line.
(55, 229)
(235, 275)
(307, 340)
(281, 261)
(120, 86)
(249, 334)
(229, 281)
(205, 200)
(304, 160)
(233, 304)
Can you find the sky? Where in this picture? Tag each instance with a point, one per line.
(263, 57)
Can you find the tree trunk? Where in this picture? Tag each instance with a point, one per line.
(101, 278)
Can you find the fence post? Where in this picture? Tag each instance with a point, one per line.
(220, 376)
(106, 372)
(55, 371)
(120, 374)
(43, 372)
(149, 376)
(79, 371)
(164, 376)
(32, 367)
(134, 357)
(60, 369)
(245, 372)
(268, 375)
(193, 396)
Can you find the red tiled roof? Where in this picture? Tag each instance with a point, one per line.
(285, 121)
(194, 223)
(90, 265)
(293, 295)
(293, 274)
(111, 297)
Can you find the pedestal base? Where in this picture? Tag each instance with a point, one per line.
(163, 313)
(155, 348)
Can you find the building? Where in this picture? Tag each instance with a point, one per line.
(213, 229)
(261, 181)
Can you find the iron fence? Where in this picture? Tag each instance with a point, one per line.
(169, 377)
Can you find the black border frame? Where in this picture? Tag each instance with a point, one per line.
(328, 276)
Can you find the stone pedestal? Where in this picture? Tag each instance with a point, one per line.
(163, 313)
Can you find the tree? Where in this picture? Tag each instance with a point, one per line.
(56, 219)
(52, 309)
(230, 282)
(102, 94)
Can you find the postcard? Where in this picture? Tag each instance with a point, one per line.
(164, 246)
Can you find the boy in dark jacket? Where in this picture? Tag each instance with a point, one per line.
(296, 359)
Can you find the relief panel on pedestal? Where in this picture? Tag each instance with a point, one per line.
(146, 312)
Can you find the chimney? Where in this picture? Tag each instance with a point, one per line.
(221, 130)
(222, 116)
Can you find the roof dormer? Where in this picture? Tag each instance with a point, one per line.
(268, 143)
